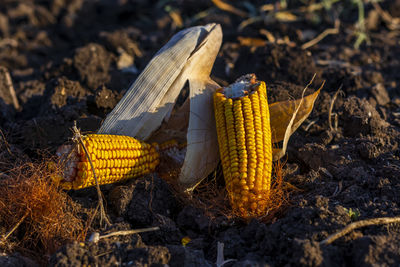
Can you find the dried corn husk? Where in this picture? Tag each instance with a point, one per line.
(144, 111)
(188, 56)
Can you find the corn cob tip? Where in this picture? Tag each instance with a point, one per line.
(243, 86)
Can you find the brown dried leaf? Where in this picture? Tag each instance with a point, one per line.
(229, 8)
(285, 16)
(281, 113)
(176, 17)
(247, 41)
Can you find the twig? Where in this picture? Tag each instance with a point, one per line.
(338, 189)
(6, 143)
(310, 124)
(220, 255)
(15, 226)
(311, 8)
(104, 253)
(339, 91)
(249, 21)
(10, 88)
(78, 138)
(359, 224)
(392, 23)
(96, 236)
(130, 232)
(90, 220)
(322, 36)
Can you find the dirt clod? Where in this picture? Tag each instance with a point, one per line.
(360, 118)
(380, 250)
(380, 94)
(92, 63)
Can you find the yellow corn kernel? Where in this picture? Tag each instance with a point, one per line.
(244, 137)
(115, 158)
(219, 100)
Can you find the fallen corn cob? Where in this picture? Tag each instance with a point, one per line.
(244, 137)
(115, 158)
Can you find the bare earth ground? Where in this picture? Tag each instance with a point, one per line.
(72, 60)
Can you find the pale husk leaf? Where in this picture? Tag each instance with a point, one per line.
(152, 96)
(202, 144)
(188, 56)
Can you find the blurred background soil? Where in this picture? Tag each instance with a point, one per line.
(72, 60)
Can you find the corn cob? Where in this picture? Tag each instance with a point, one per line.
(244, 137)
(115, 158)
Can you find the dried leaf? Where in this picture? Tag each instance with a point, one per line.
(267, 7)
(176, 17)
(247, 41)
(285, 16)
(281, 113)
(296, 119)
(229, 8)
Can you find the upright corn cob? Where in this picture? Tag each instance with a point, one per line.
(114, 157)
(244, 137)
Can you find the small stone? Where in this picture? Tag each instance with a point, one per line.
(95, 237)
(124, 60)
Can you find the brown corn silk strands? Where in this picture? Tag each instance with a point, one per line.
(188, 56)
